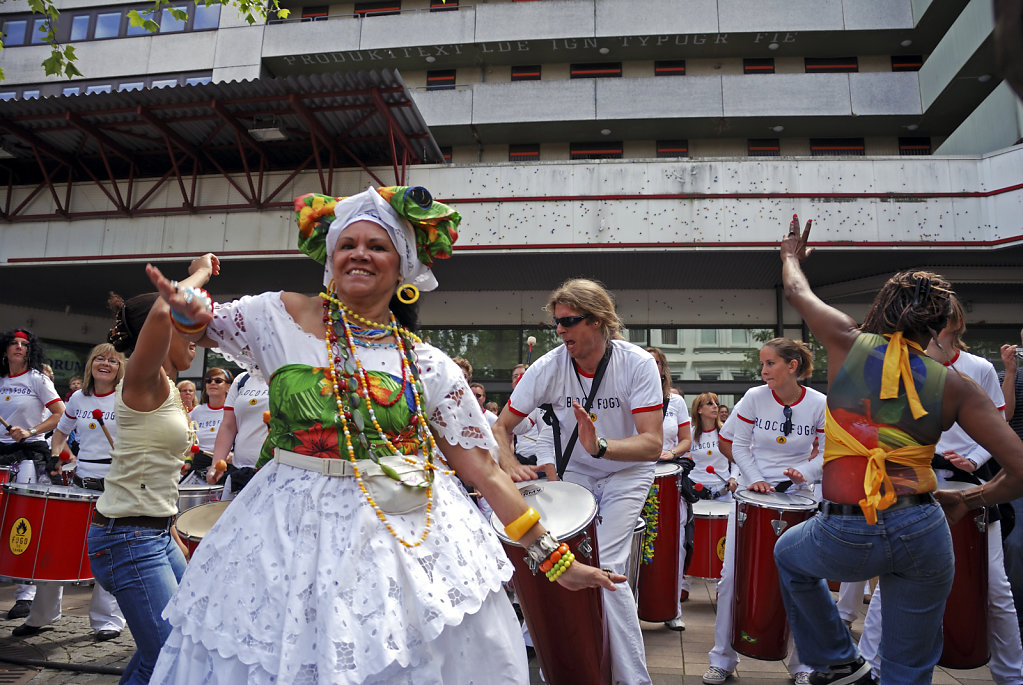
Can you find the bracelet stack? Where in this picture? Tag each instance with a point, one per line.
(182, 323)
(558, 562)
(517, 528)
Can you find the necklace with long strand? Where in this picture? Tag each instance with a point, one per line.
(357, 386)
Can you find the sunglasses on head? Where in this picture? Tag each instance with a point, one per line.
(569, 321)
(216, 380)
(786, 427)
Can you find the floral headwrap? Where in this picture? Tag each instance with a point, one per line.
(422, 230)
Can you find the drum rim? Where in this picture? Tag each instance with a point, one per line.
(495, 522)
(220, 503)
(725, 508)
(742, 498)
(70, 492)
(199, 487)
(954, 485)
(667, 474)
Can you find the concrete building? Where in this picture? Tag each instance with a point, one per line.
(658, 145)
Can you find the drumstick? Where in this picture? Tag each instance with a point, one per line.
(710, 469)
(98, 415)
(6, 425)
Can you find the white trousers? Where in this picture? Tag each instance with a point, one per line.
(850, 598)
(722, 654)
(1006, 663)
(620, 497)
(26, 474)
(104, 614)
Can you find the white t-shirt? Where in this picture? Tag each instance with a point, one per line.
(490, 416)
(760, 447)
(704, 453)
(207, 423)
(676, 417)
(534, 438)
(955, 438)
(23, 401)
(630, 385)
(93, 445)
(248, 398)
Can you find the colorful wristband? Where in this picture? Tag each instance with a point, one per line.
(517, 528)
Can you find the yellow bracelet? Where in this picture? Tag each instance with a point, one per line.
(517, 528)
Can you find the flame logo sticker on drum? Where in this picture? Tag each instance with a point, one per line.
(21, 536)
(780, 440)
(721, 549)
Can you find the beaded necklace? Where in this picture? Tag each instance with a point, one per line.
(356, 386)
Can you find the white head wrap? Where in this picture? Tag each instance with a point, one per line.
(370, 206)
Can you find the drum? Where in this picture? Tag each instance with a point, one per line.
(192, 495)
(759, 626)
(659, 576)
(635, 555)
(567, 626)
(710, 522)
(44, 532)
(193, 524)
(7, 474)
(965, 621)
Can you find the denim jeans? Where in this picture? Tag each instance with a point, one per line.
(910, 550)
(141, 567)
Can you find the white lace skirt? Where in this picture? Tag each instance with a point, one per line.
(299, 582)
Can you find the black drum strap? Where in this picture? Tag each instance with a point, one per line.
(563, 458)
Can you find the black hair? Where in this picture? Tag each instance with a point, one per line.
(129, 316)
(35, 350)
(918, 303)
(406, 314)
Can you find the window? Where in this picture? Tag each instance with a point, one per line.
(708, 336)
(830, 65)
(318, 13)
(140, 30)
(80, 27)
(131, 85)
(169, 23)
(525, 152)
(8, 95)
(164, 83)
(915, 146)
(907, 62)
(526, 73)
(30, 94)
(670, 67)
(597, 70)
(599, 150)
(740, 336)
(377, 9)
(760, 65)
(105, 88)
(39, 30)
(72, 90)
(837, 147)
(709, 375)
(440, 79)
(198, 80)
(14, 32)
(107, 25)
(440, 6)
(672, 148)
(763, 147)
(669, 336)
(205, 18)
(637, 336)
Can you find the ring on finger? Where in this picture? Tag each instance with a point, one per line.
(174, 284)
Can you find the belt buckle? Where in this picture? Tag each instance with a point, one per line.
(332, 467)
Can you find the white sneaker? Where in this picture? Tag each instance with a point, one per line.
(716, 676)
(676, 623)
(802, 678)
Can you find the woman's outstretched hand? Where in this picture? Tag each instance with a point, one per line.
(580, 576)
(793, 243)
(192, 308)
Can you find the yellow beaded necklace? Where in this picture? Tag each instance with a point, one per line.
(339, 314)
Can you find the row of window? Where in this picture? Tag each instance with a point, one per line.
(105, 86)
(755, 147)
(108, 22)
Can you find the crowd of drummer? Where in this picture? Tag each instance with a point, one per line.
(781, 423)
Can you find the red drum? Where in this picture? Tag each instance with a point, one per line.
(194, 494)
(43, 533)
(658, 577)
(760, 628)
(6, 475)
(635, 555)
(965, 621)
(567, 626)
(710, 523)
(193, 524)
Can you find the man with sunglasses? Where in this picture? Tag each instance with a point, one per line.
(612, 453)
(480, 393)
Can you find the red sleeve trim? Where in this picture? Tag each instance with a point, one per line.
(743, 418)
(516, 411)
(684, 424)
(721, 437)
(640, 410)
(1000, 408)
(52, 401)
(227, 408)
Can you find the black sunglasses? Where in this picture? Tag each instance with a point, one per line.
(218, 381)
(568, 321)
(786, 427)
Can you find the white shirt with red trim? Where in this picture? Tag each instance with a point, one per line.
(23, 401)
(248, 398)
(955, 438)
(676, 417)
(93, 445)
(704, 453)
(207, 422)
(630, 385)
(760, 447)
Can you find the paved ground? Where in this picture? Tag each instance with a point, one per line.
(671, 657)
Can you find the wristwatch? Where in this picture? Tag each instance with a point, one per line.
(33, 431)
(601, 448)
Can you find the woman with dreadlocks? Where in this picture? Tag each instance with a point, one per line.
(888, 403)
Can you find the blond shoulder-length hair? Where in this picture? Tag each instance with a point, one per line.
(102, 350)
(589, 298)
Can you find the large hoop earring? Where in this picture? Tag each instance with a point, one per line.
(407, 293)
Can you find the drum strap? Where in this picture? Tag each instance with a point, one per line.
(563, 458)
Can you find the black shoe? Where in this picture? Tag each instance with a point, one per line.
(104, 635)
(20, 609)
(853, 673)
(25, 630)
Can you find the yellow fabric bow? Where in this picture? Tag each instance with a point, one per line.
(896, 366)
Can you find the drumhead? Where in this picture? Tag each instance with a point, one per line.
(710, 509)
(196, 488)
(666, 468)
(197, 521)
(775, 500)
(564, 508)
(50, 491)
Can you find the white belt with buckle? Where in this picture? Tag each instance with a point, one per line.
(328, 467)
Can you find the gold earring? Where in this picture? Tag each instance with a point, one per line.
(407, 293)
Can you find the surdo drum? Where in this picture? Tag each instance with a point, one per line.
(658, 577)
(567, 627)
(194, 494)
(192, 525)
(710, 523)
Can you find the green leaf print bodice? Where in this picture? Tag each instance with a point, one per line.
(304, 418)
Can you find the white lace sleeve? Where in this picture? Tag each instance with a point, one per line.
(234, 327)
(452, 410)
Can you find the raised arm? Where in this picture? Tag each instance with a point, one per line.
(835, 329)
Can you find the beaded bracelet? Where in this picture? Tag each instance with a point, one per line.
(186, 329)
(560, 567)
(517, 528)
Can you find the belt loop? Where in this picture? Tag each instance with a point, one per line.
(332, 467)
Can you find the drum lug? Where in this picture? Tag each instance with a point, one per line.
(585, 546)
(981, 522)
(740, 517)
(779, 526)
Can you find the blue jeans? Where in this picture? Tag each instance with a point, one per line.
(910, 550)
(141, 567)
